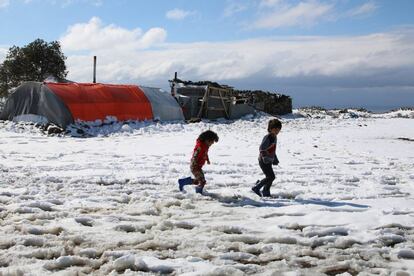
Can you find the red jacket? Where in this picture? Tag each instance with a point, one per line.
(200, 154)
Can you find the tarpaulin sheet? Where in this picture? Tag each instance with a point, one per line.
(89, 102)
(35, 98)
(164, 106)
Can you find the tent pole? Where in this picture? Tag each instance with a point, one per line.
(173, 85)
(94, 69)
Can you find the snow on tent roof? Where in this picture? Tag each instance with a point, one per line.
(65, 103)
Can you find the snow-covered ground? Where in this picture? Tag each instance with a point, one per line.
(109, 204)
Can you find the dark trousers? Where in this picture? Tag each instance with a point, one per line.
(266, 182)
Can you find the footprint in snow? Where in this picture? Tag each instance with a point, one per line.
(85, 221)
(389, 180)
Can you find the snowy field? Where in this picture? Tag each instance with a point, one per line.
(109, 204)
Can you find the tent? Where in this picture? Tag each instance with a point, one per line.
(65, 103)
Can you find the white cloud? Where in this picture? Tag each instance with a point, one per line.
(152, 37)
(178, 14)
(4, 3)
(94, 36)
(363, 10)
(233, 8)
(292, 59)
(303, 14)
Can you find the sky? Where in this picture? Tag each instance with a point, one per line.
(330, 53)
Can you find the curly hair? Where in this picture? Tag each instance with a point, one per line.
(274, 123)
(208, 135)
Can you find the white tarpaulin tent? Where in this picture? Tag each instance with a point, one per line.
(164, 106)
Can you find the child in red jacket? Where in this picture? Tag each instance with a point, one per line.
(198, 159)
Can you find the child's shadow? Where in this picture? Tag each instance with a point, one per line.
(241, 201)
(328, 203)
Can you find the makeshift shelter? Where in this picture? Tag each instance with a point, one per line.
(209, 100)
(64, 103)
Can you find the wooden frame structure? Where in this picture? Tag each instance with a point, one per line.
(215, 93)
(209, 100)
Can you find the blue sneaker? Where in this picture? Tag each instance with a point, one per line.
(184, 181)
(199, 190)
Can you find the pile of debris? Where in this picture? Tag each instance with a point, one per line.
(269, 102)
(210, 100)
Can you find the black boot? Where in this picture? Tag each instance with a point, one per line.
(257, 187)
(266, 191)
